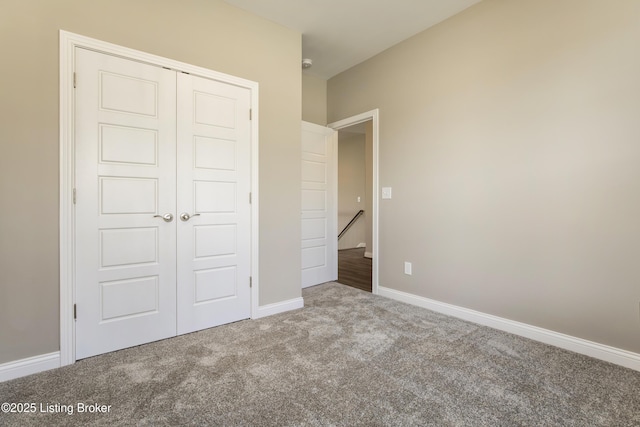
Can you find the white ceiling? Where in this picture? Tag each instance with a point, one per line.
(338, 34)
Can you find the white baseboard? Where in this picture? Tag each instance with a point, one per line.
(279, 307)
(368, 255)
(28, 366)
(589, 348)
(361, 245)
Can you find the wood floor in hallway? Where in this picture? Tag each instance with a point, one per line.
(354, 269)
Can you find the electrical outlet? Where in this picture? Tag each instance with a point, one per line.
(407, 268)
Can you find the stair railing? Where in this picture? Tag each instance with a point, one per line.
(353, 220)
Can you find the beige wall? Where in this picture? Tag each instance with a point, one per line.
(208, 33)
(351, 185)
(510, 136)
(314, 99)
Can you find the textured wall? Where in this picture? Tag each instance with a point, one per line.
(510, 136)
(314, 99)
(351, 185)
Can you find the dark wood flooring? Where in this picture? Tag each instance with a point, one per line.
(354, 269)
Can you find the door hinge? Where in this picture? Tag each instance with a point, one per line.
(249, 198)
(74, 196)
(75, 312)
(250, 114)
(74, 80)
(250, 282)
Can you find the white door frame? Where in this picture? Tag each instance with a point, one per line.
(372, 115)
(68, 43)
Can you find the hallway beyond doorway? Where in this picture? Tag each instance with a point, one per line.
(354, 269)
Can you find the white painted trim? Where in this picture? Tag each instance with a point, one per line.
(374, 116)
(67, 219)
(333, 170)
(28, 366)
(588, 348)
(368, 255)
(279, 307)
(68, 43)
(361, 245)
(255, 202)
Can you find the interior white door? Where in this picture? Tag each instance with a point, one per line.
(125, 184)
(319, 205)
(163, 215)
(214, 217)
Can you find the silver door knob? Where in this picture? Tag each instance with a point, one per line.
(166, 217)
(185, 216)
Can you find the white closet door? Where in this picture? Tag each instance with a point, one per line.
(214, 220)
(125, 181)
(319, 205)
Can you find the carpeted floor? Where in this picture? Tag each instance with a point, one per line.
(349, 358)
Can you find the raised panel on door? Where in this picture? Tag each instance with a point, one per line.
(318, 205)
(213, 190)
(125, 174)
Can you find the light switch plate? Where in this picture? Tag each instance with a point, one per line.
(386, 192)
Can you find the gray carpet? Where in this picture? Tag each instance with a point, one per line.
(348, 358)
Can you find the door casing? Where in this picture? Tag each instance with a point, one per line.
(372, 115)
(68, 43)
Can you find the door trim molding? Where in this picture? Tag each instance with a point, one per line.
(68, 43)
(374, 116)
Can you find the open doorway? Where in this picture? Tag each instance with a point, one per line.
(355, 205)
(362, 260)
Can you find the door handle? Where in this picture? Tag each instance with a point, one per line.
(166, 217)
(185, 216)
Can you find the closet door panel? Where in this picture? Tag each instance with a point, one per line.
(213, 203)
(125, 181)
